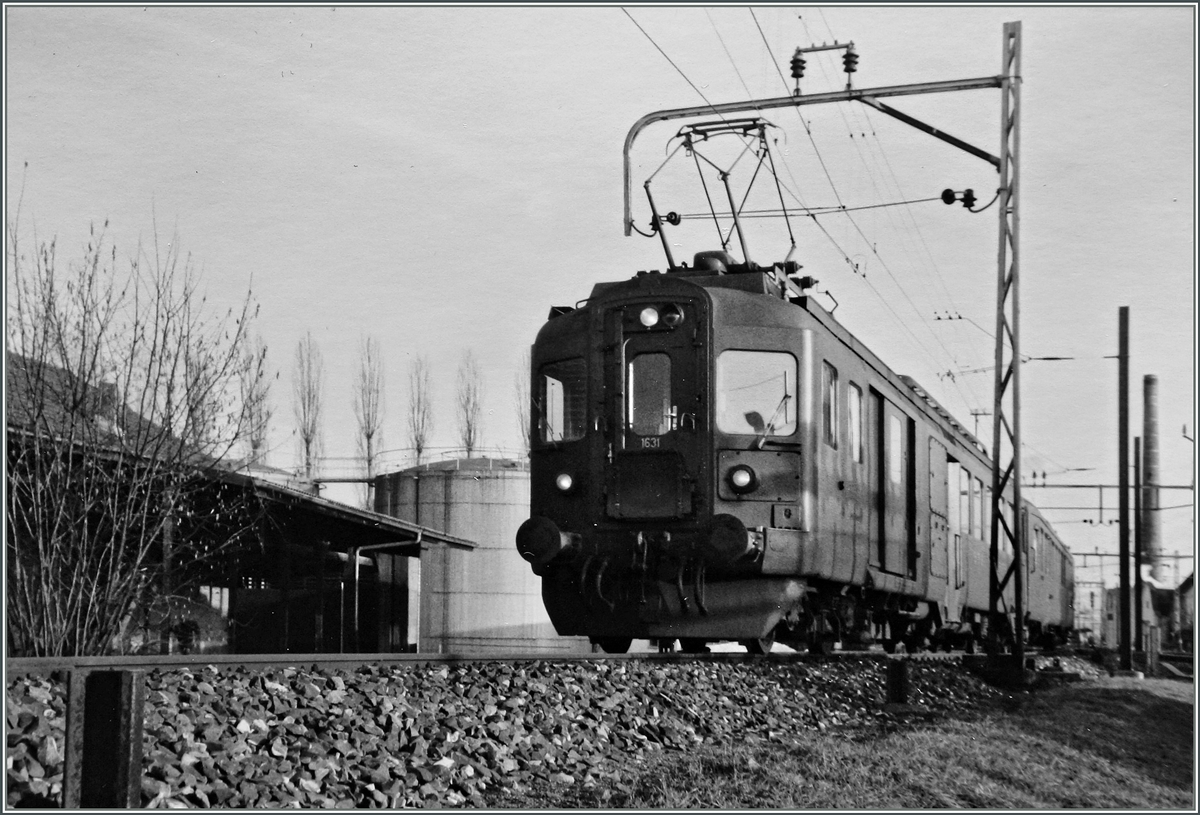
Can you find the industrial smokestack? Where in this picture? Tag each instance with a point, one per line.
(1151, 522)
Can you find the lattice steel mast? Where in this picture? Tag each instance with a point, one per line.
(1006, 409)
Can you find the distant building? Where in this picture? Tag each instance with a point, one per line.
(1089, 611)
(268, 566)
(1187, 611)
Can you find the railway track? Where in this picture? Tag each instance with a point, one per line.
(41, 666)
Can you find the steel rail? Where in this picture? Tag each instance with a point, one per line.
(16, 666)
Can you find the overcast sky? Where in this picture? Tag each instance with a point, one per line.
(439, 177)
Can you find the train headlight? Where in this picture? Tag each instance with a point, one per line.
(742, 479)
(672, 316)
(649, 316)
(565, 482)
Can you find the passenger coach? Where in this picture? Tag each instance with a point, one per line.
(715, 457)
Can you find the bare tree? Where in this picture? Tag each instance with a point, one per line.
(420, 406)
(256, 388)
(521, 394)
(368, 407)
(309, 385)
(470, 399)
(124, 401)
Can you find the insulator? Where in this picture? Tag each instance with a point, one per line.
(968, 198)
(798, 64)
(948, 197)
(850, 61)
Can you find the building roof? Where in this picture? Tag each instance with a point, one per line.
(41, 398)
(365, 527)
(481, 464)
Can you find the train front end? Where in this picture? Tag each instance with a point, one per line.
(637, 525)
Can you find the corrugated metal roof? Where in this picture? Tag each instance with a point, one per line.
(405, 531)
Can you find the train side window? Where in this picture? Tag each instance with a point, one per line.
(973, 502)
(977, 513)
(854, 403)
(648, 388)
(939, 493)
(964, 501)
(986, 509)
(561, 401)
(1033, 548)
(953, 505)
(895, 450)
(829, 405)
(756, 392)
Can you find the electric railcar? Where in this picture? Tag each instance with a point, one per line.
(715, 458)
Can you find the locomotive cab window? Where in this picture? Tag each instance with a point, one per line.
(756, 393)
(561, 400)
(648, 389)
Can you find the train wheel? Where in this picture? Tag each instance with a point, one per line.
(614, 645)
(691, 645)
(760, 645)
(821, 644)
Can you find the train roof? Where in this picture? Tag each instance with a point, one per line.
(715, 271)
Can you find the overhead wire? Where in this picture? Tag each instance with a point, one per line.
(867, 241)
(721, 39)
(920, 235)
(795, 194)
(672, 62)
(686, 79)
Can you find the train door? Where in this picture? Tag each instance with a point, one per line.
(896, 496)
(656, 417)
(939, 526)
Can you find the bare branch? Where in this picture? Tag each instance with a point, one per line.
(308, 384)
(469, 402)
(368, 406)
(256, 392)
(524, 404)
(420, 406)
(124, 397)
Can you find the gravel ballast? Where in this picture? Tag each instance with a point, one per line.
(437, 735)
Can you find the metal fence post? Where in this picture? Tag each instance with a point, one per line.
(103, 761)
(897, 681)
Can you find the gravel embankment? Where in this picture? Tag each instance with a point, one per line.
(435, 735)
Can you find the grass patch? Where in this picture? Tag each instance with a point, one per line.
(1106, 744)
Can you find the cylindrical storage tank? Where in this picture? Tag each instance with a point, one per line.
(486, 600)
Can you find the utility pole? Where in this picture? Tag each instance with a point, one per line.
(976, 414)
(1126, 652)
